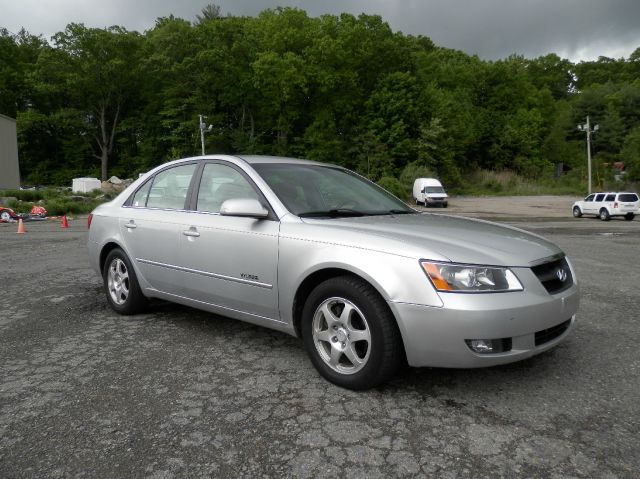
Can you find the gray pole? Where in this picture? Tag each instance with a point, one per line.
(202, 127)
(588, 153)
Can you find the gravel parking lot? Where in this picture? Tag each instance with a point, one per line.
(180, 393)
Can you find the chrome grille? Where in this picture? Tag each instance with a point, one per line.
(555, 276)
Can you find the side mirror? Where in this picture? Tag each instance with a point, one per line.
(245, 207)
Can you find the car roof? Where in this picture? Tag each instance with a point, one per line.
(614, 192)
(257, 159)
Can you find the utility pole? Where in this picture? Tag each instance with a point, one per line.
(587, 129)
(203, 127)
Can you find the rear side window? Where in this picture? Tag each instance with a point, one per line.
(140, 198)
(599, 197)
(628, 197)
(611, 197)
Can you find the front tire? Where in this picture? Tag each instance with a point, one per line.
(604, 215)
(629, 216)
(350, 334)
(576, 212)
(121, 284)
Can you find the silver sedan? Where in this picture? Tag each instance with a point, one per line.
(321, 253)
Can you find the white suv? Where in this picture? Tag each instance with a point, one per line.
(606, 205)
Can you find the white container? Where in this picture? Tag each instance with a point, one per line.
(85, 185)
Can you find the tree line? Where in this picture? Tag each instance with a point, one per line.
(342, 89)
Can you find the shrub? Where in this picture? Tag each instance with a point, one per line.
(56, 201)
(410, 173)
(393, 186)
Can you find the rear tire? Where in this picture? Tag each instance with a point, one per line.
(629, 216)
(604, 215)
(576, 212)
(121, 284)
(350, 334)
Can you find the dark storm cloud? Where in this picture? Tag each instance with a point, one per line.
(492, 29)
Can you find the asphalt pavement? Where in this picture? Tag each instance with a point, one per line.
(176, 392)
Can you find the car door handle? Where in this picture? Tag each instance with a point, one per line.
(131, 225)
(192, 233)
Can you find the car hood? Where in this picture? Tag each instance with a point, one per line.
(437, 237)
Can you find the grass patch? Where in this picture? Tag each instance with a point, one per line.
(56, 201)
(508, 183)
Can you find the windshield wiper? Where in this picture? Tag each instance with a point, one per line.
(399, 212)
(334, 213)
(392, 212)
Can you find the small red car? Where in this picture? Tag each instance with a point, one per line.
(7, 215)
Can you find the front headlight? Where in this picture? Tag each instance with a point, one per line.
(469, 278)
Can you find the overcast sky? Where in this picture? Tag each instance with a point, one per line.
(492, 29)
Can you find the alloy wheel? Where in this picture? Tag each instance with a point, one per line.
(118, 281)
(341, 335)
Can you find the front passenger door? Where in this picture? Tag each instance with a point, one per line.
(230, 262)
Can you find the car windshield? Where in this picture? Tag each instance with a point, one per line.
(434, 189)
(326, 191)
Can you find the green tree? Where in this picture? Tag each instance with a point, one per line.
(99, 69)
(209, 12)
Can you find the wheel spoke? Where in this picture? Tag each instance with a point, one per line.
(345, 316)
(324, 336)
(352, 355)
(335, 357)
(359, 335)
(329, 317)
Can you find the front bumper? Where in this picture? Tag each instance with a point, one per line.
(436, 336)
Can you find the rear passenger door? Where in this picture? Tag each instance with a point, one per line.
(151, 224)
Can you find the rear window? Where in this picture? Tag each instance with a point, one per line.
(630, 197)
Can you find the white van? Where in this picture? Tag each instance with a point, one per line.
(429, 191)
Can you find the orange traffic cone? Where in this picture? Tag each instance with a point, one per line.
(65, 223)
(21, 229)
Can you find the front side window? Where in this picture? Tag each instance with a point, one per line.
(589, 198)
(169, 187)
(599, 197)
(220, 183)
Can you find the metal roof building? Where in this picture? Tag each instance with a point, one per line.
(9, 168)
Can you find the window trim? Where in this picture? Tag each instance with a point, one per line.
(193, 200)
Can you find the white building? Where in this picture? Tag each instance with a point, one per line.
(9, 168)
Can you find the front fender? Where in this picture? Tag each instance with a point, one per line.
(397, 278)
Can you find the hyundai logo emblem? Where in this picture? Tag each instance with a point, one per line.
(561, 274)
